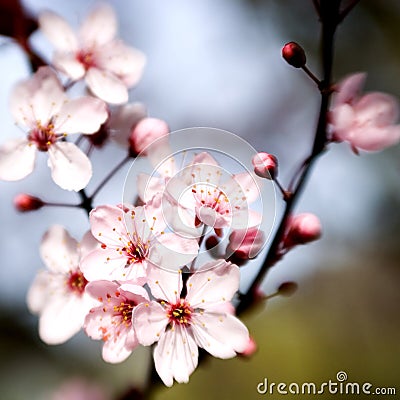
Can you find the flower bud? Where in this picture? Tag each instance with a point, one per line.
(246, 243)
(294, 55)
(303, 228)
(25, 202)
(287, 288)
(265, 165)
(145, 132)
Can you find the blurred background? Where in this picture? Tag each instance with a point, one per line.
(218, 64)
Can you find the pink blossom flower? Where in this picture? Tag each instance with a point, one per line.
(111, 321)
(180, 324)
(246, 243)
(302, 228)
(41, 105)
(58, 293)
(108, 65)
(132, 238)
(367, 121)
(204, 194)
(265, 165)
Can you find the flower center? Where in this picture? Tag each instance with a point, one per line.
(124, 310)
(86, 58)
(180, 313)
(136, 252)
(76, 282)
(42, 136)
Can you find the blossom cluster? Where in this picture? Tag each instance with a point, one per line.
(134, 278)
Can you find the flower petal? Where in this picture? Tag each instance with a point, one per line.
(107, 86)
(164, 285)
(87, 244)
(149, 321)
(70, 167)
(119, 349)
(215, 282)
(222, 335)
(58, 31)
(373, 138)
(176, 356)
(59, 251)
(85, 115)
(38, 292)
(17, 159)
(99, 27)
(243, 186)
(349, 89)
(69, 65)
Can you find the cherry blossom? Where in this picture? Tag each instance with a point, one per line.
(108, 65)
(57, 294)
(205, 194)
(367, 121)
(111, 321)
(41, 105)
(132, 238)
(182, 323)
(301, 229)
(265, 165)
(246, 243)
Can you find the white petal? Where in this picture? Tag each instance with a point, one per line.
(70, 167)
(149, 321)
(87, 244)
(17, 159)
(222, 335)
(216, 282)
(116, 350)
(176, 356)
(164, 285)
(38, 292)
(171, 252)
(84, 115)
(99, 27)
(62, 318)
(125, 62)
(107, 86)
(69, 65)
(148, 186)
(123, 119)
(57, 31)
(59, 251)
(244, 186)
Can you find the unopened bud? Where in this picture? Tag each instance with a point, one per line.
(303, 228)
(145, 132)
(25, 202)
(287, 288)
(265, 165)
(294, 55)
(246, 243)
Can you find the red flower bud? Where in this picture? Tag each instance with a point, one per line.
(287, 288)
(25, 202)
(294, 55)
(265, 165)
(302, 228)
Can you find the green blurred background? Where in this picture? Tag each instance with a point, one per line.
(227, 73)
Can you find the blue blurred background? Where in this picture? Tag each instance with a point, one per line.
(218, 64)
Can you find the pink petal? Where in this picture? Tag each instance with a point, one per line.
(222, 335)
(57, 31)
(70, 167)
(170, 251)
(176, 356)
(378, 108)
(123, 119)
(148, 186)
(99, 27)
(242, 186)
(343, 117)
(59, 250)
(215, 282)
(62, 318)
(245, 218)
(126, 62)
(17, 159)
(119, 349)
(69, 65)
(149, 321)
(107, 223)
(349, 89)
(136, 293)
(84, 115)
(107, 86)
(164, 285)
(87, 244)
(372, 138)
